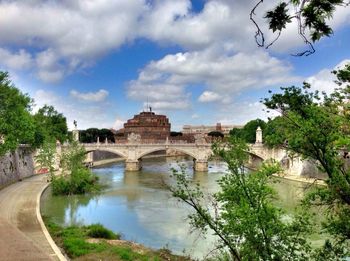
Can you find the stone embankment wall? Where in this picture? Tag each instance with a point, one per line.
(295, 166)
(14, 166)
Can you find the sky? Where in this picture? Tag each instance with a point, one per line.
(100, 61)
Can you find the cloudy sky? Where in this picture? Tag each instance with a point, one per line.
(99, 61)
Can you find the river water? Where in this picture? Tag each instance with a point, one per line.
(138, 206)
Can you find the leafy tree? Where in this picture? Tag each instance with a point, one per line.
(242, 214)
(175, 134)
(16, 123)
(311, 17)
(46, 157)
(75, 177)
(91, 135)
(273, 133)
(51, 124)
(216, 134)
(236, 132)
(248, 132)
(318, 128)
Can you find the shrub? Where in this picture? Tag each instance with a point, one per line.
(80, 181)
(99, 231)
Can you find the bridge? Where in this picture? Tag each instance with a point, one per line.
(133, 152)
(200, 152)
(134, 149)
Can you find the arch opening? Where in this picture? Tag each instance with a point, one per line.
(168, 152)
(105, 154)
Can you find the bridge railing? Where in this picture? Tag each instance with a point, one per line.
(171, 143)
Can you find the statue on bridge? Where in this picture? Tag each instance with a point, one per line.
(134, 138)
(200, 138)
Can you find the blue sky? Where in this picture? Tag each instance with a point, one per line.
(99, 61)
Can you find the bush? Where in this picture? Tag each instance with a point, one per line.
(99, 231)
(80, 181)
(60, 186)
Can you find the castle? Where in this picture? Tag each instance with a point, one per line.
(148, 125)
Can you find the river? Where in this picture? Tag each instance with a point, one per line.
(138, 206)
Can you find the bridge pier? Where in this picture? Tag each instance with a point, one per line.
(132, 165)
(200, 165)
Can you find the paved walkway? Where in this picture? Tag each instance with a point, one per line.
(21, 236)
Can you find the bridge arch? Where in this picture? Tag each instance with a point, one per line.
(160, 149)
(116, 152)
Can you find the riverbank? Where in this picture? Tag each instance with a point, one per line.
(94, 242)
(302, 179)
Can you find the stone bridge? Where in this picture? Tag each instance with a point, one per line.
(200, 152)
(134, 149)
(133, 152)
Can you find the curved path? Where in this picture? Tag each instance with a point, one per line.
(21, 234)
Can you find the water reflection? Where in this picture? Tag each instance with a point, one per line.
(138, 205)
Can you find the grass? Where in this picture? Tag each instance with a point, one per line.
(74, 241)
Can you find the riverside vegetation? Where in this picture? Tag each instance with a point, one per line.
(248, 226)
(94, 242)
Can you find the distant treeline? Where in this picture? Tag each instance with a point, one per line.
(91, 135)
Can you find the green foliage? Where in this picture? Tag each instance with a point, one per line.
(313, 14)
(99, 231)
(16, 125)
(216, 134)
(310, 16)
(274, 134)
(73, 240)
(51, 125)
(175, 134)
(91, 135)
(318, 129)
(278, 18)
(75, 177)
(46, 157)
(242, 214)
(248, 132)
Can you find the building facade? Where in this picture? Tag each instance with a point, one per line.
(149, 126)
(205, 129)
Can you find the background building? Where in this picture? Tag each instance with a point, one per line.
(205, 129)
(150, 126)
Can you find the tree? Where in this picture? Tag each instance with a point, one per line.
(175, 134)
(242, 214)
(248, 132)
(91, 135)
(216, 134)
(311, 17)
(51, 124)
(75, 177)
(16, 123)
(318, 128)
(273, 133)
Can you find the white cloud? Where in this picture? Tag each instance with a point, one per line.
(241, 112)
(64, 36)
(76, 32)
(87, 115)
(165, 82)
(323, 81)
(15, 60)
(162, 96)
(118, 124)
(98, 96)
(209, 96)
